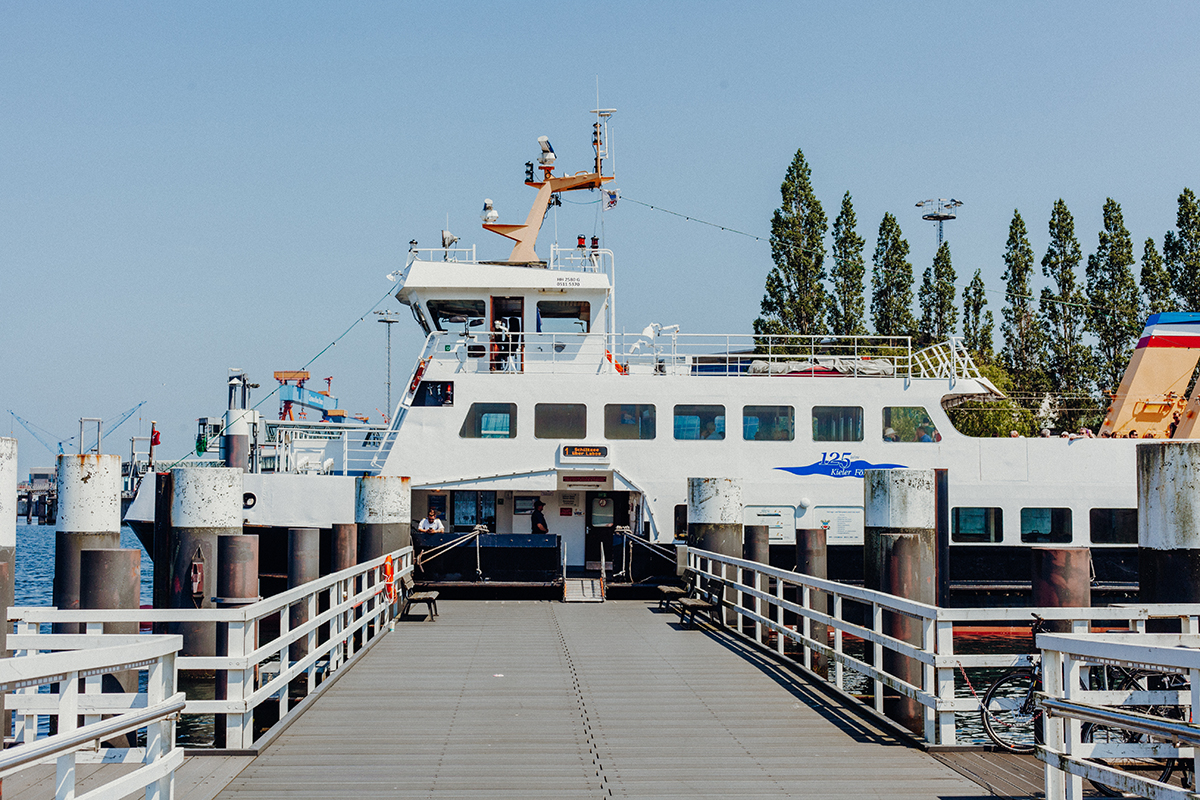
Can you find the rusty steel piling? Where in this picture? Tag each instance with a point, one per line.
(812, 558)
(715, 514)
(1168, 478)
(304, 565)
(237, 585)
(89, 518)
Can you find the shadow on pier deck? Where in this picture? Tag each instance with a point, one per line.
(541, 699)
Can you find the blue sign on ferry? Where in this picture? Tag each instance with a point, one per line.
(838, 465)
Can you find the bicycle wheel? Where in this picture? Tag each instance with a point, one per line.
(1010, 714)
(1159, 769)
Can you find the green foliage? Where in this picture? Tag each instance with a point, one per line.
(794, 302)
(939, 314)
(1157, 294)
(1023, 352)
(846, 304)
(1068, 360)
(1114, 316)
(1181, 249)
(996, 417)
(977, 323)
(891, 282)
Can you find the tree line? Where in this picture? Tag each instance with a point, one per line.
(1063, 349)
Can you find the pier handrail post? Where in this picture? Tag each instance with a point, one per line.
(780, 639)
(877, 650)
(945, 684)
(237, 726)
(806, 624)
(68, 706)
(160, 735)
(929, 679)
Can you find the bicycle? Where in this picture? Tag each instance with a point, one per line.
(1009, 711)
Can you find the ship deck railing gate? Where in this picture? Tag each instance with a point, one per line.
(88, 661)
(782, 610)
(344, 614)
(1130, 732)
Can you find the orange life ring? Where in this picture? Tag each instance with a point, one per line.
(621, 370)
(412, 387)
(389, 577)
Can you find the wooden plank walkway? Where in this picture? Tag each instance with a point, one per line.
(543, 699)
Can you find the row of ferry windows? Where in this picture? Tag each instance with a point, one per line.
(639, 421)
(1044, 525)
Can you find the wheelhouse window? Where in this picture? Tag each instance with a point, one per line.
(434, 393)
(768, 423)
(629, 421)
(837, 423)
(456, 315)
(699, 422)
(977, 525)
(564, 316)
(490, 421)
(1114, 525)
(1046, 525)
(909, 424)
(559, 421)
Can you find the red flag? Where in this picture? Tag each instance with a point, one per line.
(154, 439)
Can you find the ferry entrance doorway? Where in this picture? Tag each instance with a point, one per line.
(604, 512)
(508, 314)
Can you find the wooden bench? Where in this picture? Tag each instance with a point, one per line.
(689, 606)
(410, 597)
(667, 594)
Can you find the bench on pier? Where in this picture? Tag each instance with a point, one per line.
(668, 594)
(689, 606)
(410, 596)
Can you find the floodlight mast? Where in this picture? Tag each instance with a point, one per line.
(941, 210)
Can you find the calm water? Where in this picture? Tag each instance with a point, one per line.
(35, 564)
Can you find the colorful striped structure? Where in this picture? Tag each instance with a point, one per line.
(1154, 389)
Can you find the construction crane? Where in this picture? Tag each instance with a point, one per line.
(57, 447)
(293, 392)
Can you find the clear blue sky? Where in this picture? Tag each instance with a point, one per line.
(190, 187)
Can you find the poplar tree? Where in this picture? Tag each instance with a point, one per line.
(1022, 354)
(977, 323)
(794, 302)
(939, 314)
(891, 282)
(1068, 361)
(1113, 315)
(846, 304)
(1157, 294)
(1181, 250)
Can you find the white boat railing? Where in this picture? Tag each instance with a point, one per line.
(1069, 759)
(856, 642)
(86, 660)
(346, 612)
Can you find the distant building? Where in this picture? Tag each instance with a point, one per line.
(42, 479)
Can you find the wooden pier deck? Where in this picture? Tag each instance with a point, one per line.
(543, 699)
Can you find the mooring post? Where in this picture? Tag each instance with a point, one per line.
(1062, 578)
(1168, 481)
(237, 585)
(900, 558)
(383, 512)
(89, 518)
(756, 546)
(344, 546)
(205, 503)
(112, 578)
(715, 520)
(304, 565)
(812, 559)
(160, 552)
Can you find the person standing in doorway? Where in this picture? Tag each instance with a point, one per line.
(431, 523)
(537, 522)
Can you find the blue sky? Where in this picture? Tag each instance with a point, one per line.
(191, 187)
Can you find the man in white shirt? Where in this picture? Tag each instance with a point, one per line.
(431, 523)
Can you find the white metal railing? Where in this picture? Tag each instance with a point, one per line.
(345, 612)
(86, 660)
(1069, 759)
(466, 254)
(580, 259)
(857, 641)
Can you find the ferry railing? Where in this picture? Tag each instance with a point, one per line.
(466, 254)
(846, 632)
(87, 660)
(580, 259)
(346, 614)
(1135, 734)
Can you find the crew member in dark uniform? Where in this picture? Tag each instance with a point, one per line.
(538, 521)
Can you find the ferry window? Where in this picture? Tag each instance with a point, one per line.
(490, 421)
(434, 393)
(473, 508)
(681, 522)
(909, 424)
(768, 423)
(629, 421)
(559, 421)
(1114, 525)
(455, 315)
(837, 423)
(1045, 525)
(699, 422)
(563, 316)
(523, 505)
(976, 525)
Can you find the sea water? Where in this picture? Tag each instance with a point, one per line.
(35, 565)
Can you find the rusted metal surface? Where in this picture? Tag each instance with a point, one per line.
(383, 504)
(1062, 578)
(716, 501)
(237, 569)
(1168, 477)
(236, 438)
(67, 547)
(812, 558)
(111, 578)
(344, 546)
(304, 565)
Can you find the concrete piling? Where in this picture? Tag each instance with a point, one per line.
(383, 513)
(89, 518)
(1168, 478)
(304, 565)
(715, 516)
(900, 558)
(205, 502)
(812, 558)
